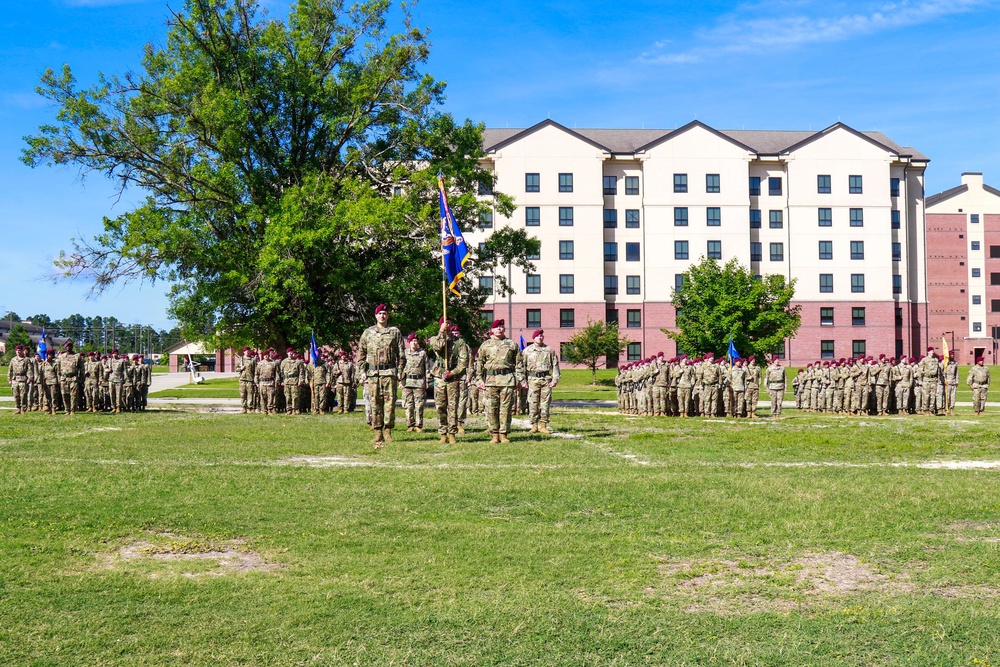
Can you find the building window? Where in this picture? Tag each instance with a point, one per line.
(977, 327)
(482, 248)
(897, 284)
(975, 245)
(857, 249)
(977, 299)
(533, 318)
(610, 218)
(565, 216)
(994, 251)
(858, 348)
(486, 220)
(774, 186)
(714, 216)
(486, 284)
(857, 217)
(566, 250)
(826, 249)
(826, 317)
(681, 250)
(776, 219)
(536, 256)
(610, 185)
(610, 251)
(531, 182)
(565, 182)
(823, 184)
(633, 319)
(994, 278)
(631, 218)
(974, 218)
(977, 273)
(893, 187)
(826, 283)
(899, 317)
(680, 182)
(779, 351)
(777, 252)
(611, 316)
(631, 252)
(533, 283)
(485, 187)
(857, 283)
(634, 351)
(715, 249)
(532, 216)
(754, 186)
(680, 216)
(678, 281)
(610, 285)
(487, 316)
(825, 217)
(826, 349)
(567, 318)
(755, 218)
(632, 285)
(631, 185)
(566, 283)
(897, 251)
(712, 183)
(854, 185)
(895, 220)
(857, 317)
(756, 251)
(995, 305)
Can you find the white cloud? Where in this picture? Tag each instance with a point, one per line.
(102, 3)
(739, 32)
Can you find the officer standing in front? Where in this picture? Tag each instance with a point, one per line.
(500, 370)
(541, 368)
(382, 353)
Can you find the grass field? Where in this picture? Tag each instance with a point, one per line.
(181, 538)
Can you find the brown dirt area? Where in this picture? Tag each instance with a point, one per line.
(173, 552)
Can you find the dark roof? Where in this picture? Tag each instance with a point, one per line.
(947, 194)
(763, 142)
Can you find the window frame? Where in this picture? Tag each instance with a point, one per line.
(566, 182)
(567, 283)
(680, 183)
(532, 182)
(530, 221)
(823, 184)
(535, 288)
(713, 183)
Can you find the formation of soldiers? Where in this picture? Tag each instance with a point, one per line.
(710, 387)
(292, 385)
(887, 385)
(72, 382)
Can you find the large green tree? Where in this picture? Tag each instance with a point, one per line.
(595, 341)
(289, 171)
(717, 301)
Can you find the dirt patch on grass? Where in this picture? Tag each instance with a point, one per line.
(324, 461)
(166, 554)
(974, 531)
(747, 586)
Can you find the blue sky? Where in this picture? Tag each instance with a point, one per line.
(924, 72)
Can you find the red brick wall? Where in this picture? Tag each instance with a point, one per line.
(948, 276)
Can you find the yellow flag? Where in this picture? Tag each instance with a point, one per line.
(944, 346)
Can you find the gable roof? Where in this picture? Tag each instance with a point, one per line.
(761, 142)
(693, 124)
(954, 192)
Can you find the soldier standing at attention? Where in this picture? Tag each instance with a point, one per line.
(415, 384)
(92, 375)
(541, 368)
(929, 370)
(451, 363)
(116, 378)
(18, 373)
(979, 380)
(345, 382)
(500, 370)
(50, 381)
(246, 370)
(34, 380)
(70, 374)
(776, 385)
(382, 355)
(950, 386)
(266, 375)
(319, 381)
(290, 372)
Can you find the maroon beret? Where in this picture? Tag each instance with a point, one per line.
(978, 359)
(454, 327)
(497, 323)
(412, 337)
(379, 308)
(537, 332)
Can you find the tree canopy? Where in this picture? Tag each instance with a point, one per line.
(289, 172)
(717, 301)
(596, 340)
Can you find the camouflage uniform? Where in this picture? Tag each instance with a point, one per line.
(319, 380)
(685, 385)
(267, 375)
(246, 370)
(291, 373)
(382, 353)
(979, 380)
(500, 369)
(929, 369)
(415, 389)
(116, 379)
(93, 374)
(950, 386)
(70, 373)
(346, 394)
(449, 374)
(50, 384)
(738, 383)
(541, 368)
(776, 386)
(19, 372)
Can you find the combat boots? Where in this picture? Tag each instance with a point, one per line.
(444, 440)
(379, 439)
(388, 434)
(534, 428)
(504, 438)
(494, 438)
(451, 439)
(544, 428)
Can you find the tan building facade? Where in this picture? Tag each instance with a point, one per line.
(622, 213)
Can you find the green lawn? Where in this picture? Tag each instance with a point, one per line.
(218, 539)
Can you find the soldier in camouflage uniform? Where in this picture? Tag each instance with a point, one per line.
(145, 380)
(50, 382)
(291, 373)
(499, 369)
(70, 374)
(267, 376)
(738, 384)
(929, 370)
(345, 382)
(246, 370)
(34, 381)
(19, 372)
(116, 379)
(541, 369)
(979, 380)
(382, 354)
(93, 374)
(776, 386)
(319, 383)
(451, 364)
(950, 375)
(415, 384)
